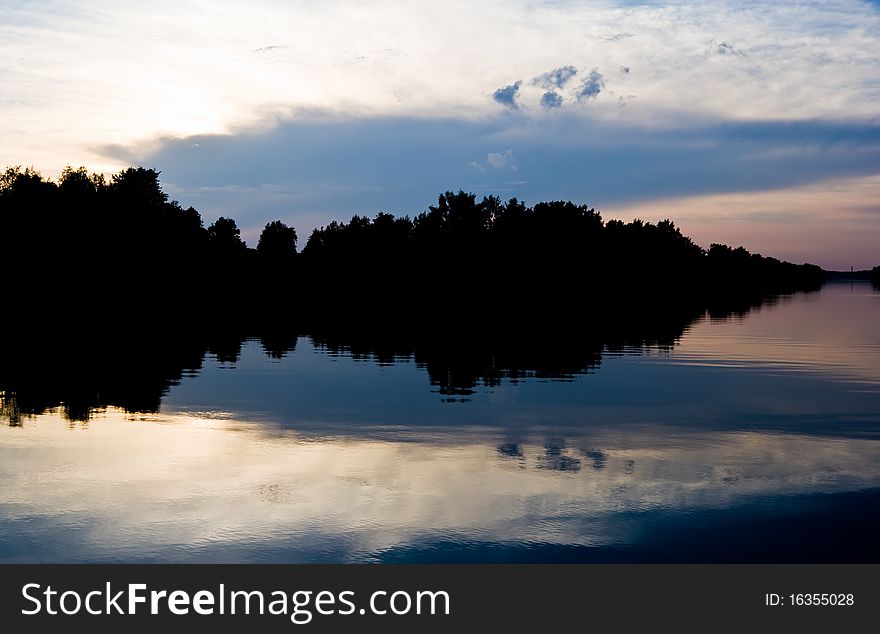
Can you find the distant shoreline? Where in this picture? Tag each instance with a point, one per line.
(850, 276)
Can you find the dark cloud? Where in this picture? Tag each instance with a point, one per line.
(618, 37)
(315, 169)
(551, 100)
(592, 86)
(555, 78)
(726, 48)
(506, 96)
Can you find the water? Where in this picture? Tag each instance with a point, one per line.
(750, 438)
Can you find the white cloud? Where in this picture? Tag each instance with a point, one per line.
(79, 76)
(500, 160)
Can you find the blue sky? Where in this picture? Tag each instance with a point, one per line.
(746, 122)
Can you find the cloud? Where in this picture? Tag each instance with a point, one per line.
(506, 96)
(618, 37)
(501, 160)
(550, 100)
(726, 48)
(556, 78)
(592, 85)
(205, 79)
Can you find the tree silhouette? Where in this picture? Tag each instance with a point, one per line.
(78, 183)
(277, 241)
(225, 236)
(139, 187)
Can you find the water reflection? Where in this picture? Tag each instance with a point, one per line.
(86, 372)
(751, 438)
(833, 333)
(181, 487)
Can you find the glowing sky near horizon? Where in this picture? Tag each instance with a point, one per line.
(740, 120)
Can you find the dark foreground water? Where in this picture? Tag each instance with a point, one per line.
(748, 439)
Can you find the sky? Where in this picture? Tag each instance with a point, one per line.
(753, 122)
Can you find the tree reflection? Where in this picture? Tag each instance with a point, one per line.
(133, 369)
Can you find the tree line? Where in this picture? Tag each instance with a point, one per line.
(87, 239)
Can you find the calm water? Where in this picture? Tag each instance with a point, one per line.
(749, 439)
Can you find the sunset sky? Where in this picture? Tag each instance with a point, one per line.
(753, 123)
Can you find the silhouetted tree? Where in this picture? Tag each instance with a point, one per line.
(277, 241)
(79, 183)
(139, 187)
(225, 236)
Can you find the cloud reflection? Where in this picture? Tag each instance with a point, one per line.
(191, 488)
